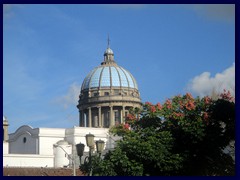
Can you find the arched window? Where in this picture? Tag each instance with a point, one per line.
(24, 140)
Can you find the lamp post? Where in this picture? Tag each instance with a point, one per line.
(90, 144)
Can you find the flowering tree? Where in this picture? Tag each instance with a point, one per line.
(182, 136)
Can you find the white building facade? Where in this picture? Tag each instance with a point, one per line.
(39, 147)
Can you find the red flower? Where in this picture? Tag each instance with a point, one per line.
(227, 96)
(148, 103)
(207, 100)
(169, 104)
(159, 106)
(126, 126)
(190, 105)
(131, 117)
(153, 109)
(189, 96)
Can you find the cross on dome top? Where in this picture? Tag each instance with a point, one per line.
(108, 54)
(108, 41)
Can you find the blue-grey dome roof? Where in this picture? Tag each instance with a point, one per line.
(111, 75)
(108, 51)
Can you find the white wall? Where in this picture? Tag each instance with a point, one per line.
(48, 137)
(21, 146)
(46, 145)
(27, 160)
(24, 140)
(27, 140)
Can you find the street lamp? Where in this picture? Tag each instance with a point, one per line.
(90, 144)
(90, 140)
(80, 150)
(100, 145)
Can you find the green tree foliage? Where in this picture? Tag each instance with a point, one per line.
(183, 136)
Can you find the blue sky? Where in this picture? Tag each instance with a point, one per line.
(170, 49)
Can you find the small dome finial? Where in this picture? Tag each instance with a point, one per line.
(108, 54)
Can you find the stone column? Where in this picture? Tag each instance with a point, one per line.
(80, 118)
(99, 117)
(111, 117)
(123, 114)
(89, 117)
(81, 123)
(95, 119)
(102, 120)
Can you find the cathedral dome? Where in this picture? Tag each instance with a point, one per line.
(110, 75)
(107, 94)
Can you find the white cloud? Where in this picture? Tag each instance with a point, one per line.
(204, 84)
(71, 98)
(222, 12)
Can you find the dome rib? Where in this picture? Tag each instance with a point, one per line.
(88, 78)
(83, 84)
(94, 80)
(123, 79)
(100, 78)
(133, 79)
(125, 75)
(110, 73)
(118, 75)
